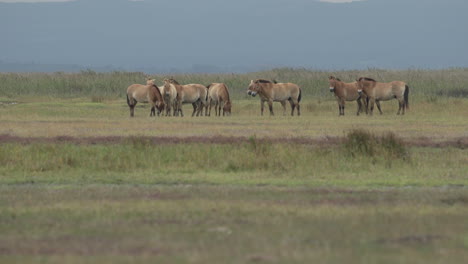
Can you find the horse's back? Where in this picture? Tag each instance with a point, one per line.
(138, 91)
(351, 91)
(398, 87)
(284, 91)
(192, 92)
(390, 90)
(218, 91)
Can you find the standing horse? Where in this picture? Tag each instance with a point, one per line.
(276, 92)
(194, 94)
(218, 93)
(377, 91)
(169, 93)
(345, 92)
(145, 93)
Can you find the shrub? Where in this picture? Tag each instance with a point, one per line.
(363, 143)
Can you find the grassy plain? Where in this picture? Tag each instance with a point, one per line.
(82, 182)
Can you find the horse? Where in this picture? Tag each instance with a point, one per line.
(169, 93)
(150, 81)
(145, 93)
(276, 92)
(194, 94)
(378, 91)
(345, 92)
(219, 94)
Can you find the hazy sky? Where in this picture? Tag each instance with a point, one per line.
(319, 34)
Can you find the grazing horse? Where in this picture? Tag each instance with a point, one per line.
(150, 81)
(377, 91)
(218, 93)
(194, 94)
(345, 92)
(145, 93)
(276, 92)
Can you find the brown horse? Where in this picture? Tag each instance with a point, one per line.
(345, 92)
(194, 94)
(218, 93)
(169, 93)
(377, 91)
(276, 92)
(145, 93)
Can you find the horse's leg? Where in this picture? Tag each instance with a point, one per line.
(153, 110)
(262, 105)
(176, 108)
(194, 109)
(132, 110)
(132, 103)
(401, 105)
(359, 108)
(270, 106)
(342, 102)
(366, 104)
(293, 105)
(371, 108)
(283, 104)
(377, 102)
(219, 107)
(201, 106)
(208, 113)
(179, 108)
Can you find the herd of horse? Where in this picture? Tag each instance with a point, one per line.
(169, 97)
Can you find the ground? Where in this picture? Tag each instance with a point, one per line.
(82, 182)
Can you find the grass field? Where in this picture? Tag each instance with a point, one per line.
(82, 182)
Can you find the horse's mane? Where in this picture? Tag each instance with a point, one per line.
(334, 78)
(227, 92)
(263, 81)
(174, 81)
(366, 79)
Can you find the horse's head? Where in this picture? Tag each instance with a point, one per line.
(166, 90)
(253, 88)
(364, 83)
(150, 81)
(227, 108)
(332, 83)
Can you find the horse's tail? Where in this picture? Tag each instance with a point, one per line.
(300, 95)
(128, 101)
(207, 89)
(406, 96)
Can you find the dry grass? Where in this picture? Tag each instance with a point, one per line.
(443, 120)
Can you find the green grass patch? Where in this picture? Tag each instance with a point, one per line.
(138, 160)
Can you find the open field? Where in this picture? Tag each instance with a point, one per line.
(82, 182)
(231, 224)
